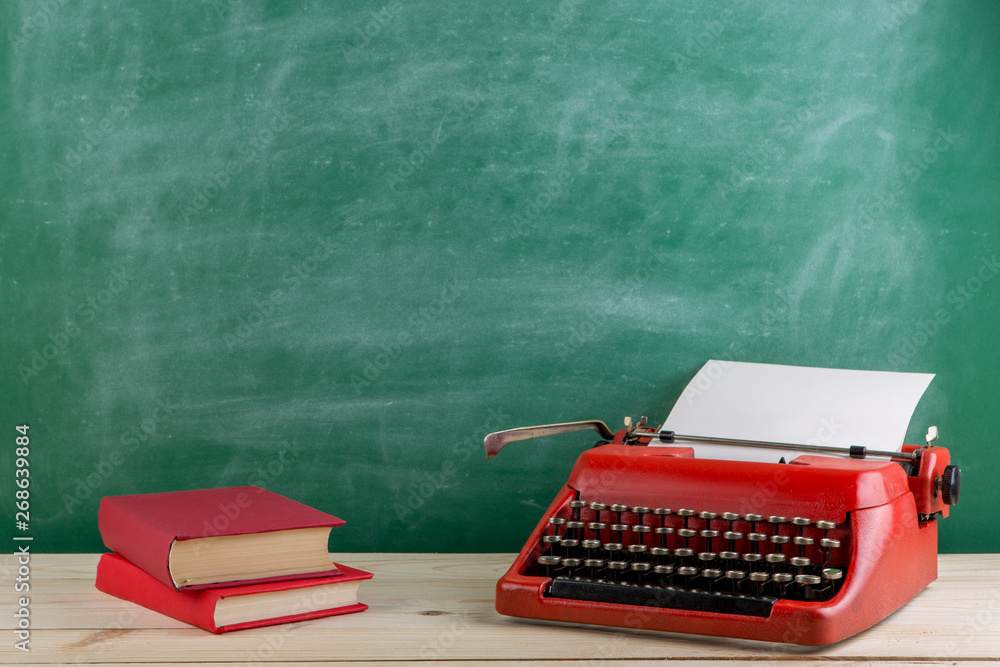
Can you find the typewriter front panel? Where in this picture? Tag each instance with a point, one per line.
(653, 538)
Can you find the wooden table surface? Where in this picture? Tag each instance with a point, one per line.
(428, 608)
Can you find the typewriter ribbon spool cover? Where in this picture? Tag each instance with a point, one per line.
(777, 504)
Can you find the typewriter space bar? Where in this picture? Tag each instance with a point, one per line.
(674, 598)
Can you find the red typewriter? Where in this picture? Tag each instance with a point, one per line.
(809, 552)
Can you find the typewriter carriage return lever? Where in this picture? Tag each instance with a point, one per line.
(810, 552)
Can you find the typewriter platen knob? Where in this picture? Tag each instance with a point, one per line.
(951, 484)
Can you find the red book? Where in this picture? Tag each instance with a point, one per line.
(238, 607)
(218, 537)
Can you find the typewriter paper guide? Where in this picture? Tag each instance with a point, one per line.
(794, 404)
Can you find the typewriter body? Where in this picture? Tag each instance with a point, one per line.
(808, 551)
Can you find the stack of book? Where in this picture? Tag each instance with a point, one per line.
(224, 559)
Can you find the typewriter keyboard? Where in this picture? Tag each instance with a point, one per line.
(689, 559)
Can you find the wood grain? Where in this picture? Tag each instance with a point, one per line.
(439, 607)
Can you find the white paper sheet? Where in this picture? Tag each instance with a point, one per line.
(794, 404)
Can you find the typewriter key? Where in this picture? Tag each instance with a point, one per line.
(736, 577)
(590, 546)
(730, 516)
(665, 570)
(801, 522)
(577, 506)
(832, 574)
(732, 535)
(574, 529)
(570, 544)
(613, 546)
(752, 557)
(759, 578)
(641, 566)
(711, 575)
(593, 564)
(800, 561)
(687, 514)
(596, 527)
(556, 521)
(807, 581)
(781, 580)
(687, 573)
(776, 558)
(551, 539)
(618, 509)
(803, 541)
(708, 516)
(547, 562)
(686, 532)
(826, 525)
(776, 519)
(707, 556)
(828, 543)
(659, 552)
(662, 511)
(684, 552)
(637, 548)
(640, 510)
(729, 555)
(597, 507)
(616, 567)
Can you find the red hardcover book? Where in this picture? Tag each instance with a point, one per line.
(166, 533)
(237, 607)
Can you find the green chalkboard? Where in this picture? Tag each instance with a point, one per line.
(325, 247)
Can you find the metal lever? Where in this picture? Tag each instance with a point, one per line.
(494, 442)
(854, 452)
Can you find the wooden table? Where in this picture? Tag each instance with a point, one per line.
(439, 608)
